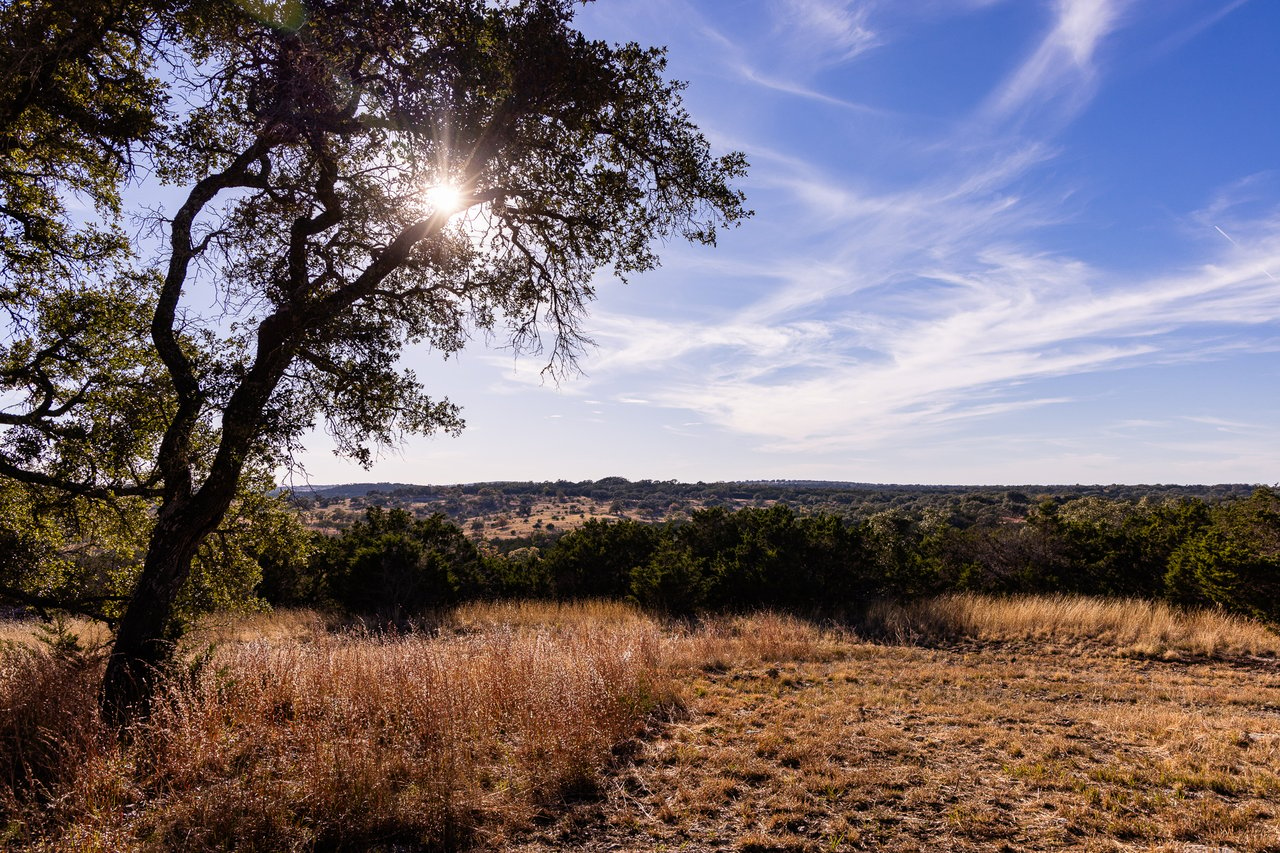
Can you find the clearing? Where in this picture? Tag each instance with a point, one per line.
(994, 744)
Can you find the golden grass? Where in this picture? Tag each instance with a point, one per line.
(283, 624)
(518, 614)
(357, 740)
(1132, 626)
(343, 740)
(26, 632)
(764, 637)
(539, 726)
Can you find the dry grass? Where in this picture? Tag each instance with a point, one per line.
(719, 642)
(48, 722)
(1132, 626)
(1056, 743)
(284, 625)
(412, 739)
(525, 614)
(27, 632)
(342, 741)
(539, 727)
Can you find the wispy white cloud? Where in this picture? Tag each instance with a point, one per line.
(1241, 213)
(879, 237)
(1139, 424)
(1061, 70)
(965, 349)
(1188, 33)
(1225, 425)
(785, 70)
(834, 30)
(791, 87)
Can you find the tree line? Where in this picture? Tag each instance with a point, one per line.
(1187, 550)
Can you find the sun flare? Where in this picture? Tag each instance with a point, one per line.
(445, 198)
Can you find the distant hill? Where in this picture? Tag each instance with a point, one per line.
(507, 509)
(776, 489)
(357, 490)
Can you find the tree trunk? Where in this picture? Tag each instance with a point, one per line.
(143, 640)
(142, 645)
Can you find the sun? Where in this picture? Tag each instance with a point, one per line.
(445, 198)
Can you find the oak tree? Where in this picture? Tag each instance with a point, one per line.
(356, 175)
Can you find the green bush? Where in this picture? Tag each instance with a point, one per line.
(393, 564)
(1235, 562)
(597, 559)
(673, 580)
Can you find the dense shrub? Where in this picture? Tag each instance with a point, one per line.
(597, 559)
(1089, 546)
(1010, 558)
(674, 579)
(755, 557)
(1235, 562)
(394, 564)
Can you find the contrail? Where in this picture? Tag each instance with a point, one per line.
(1228, 236)
(1237, 245)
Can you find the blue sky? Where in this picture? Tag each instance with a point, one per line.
(1029, 241)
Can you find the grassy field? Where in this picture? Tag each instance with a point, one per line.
(959, 724)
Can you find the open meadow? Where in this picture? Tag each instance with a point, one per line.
(961, 723)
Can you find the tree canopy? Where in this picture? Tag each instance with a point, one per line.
(167, 362)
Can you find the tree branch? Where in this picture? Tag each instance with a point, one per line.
(87, 490)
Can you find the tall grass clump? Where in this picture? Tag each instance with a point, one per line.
(49, 727)
(282, 624)
(346, 741)
(85, 634)
(480, 616)
(1137, 626)
(760, 637)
